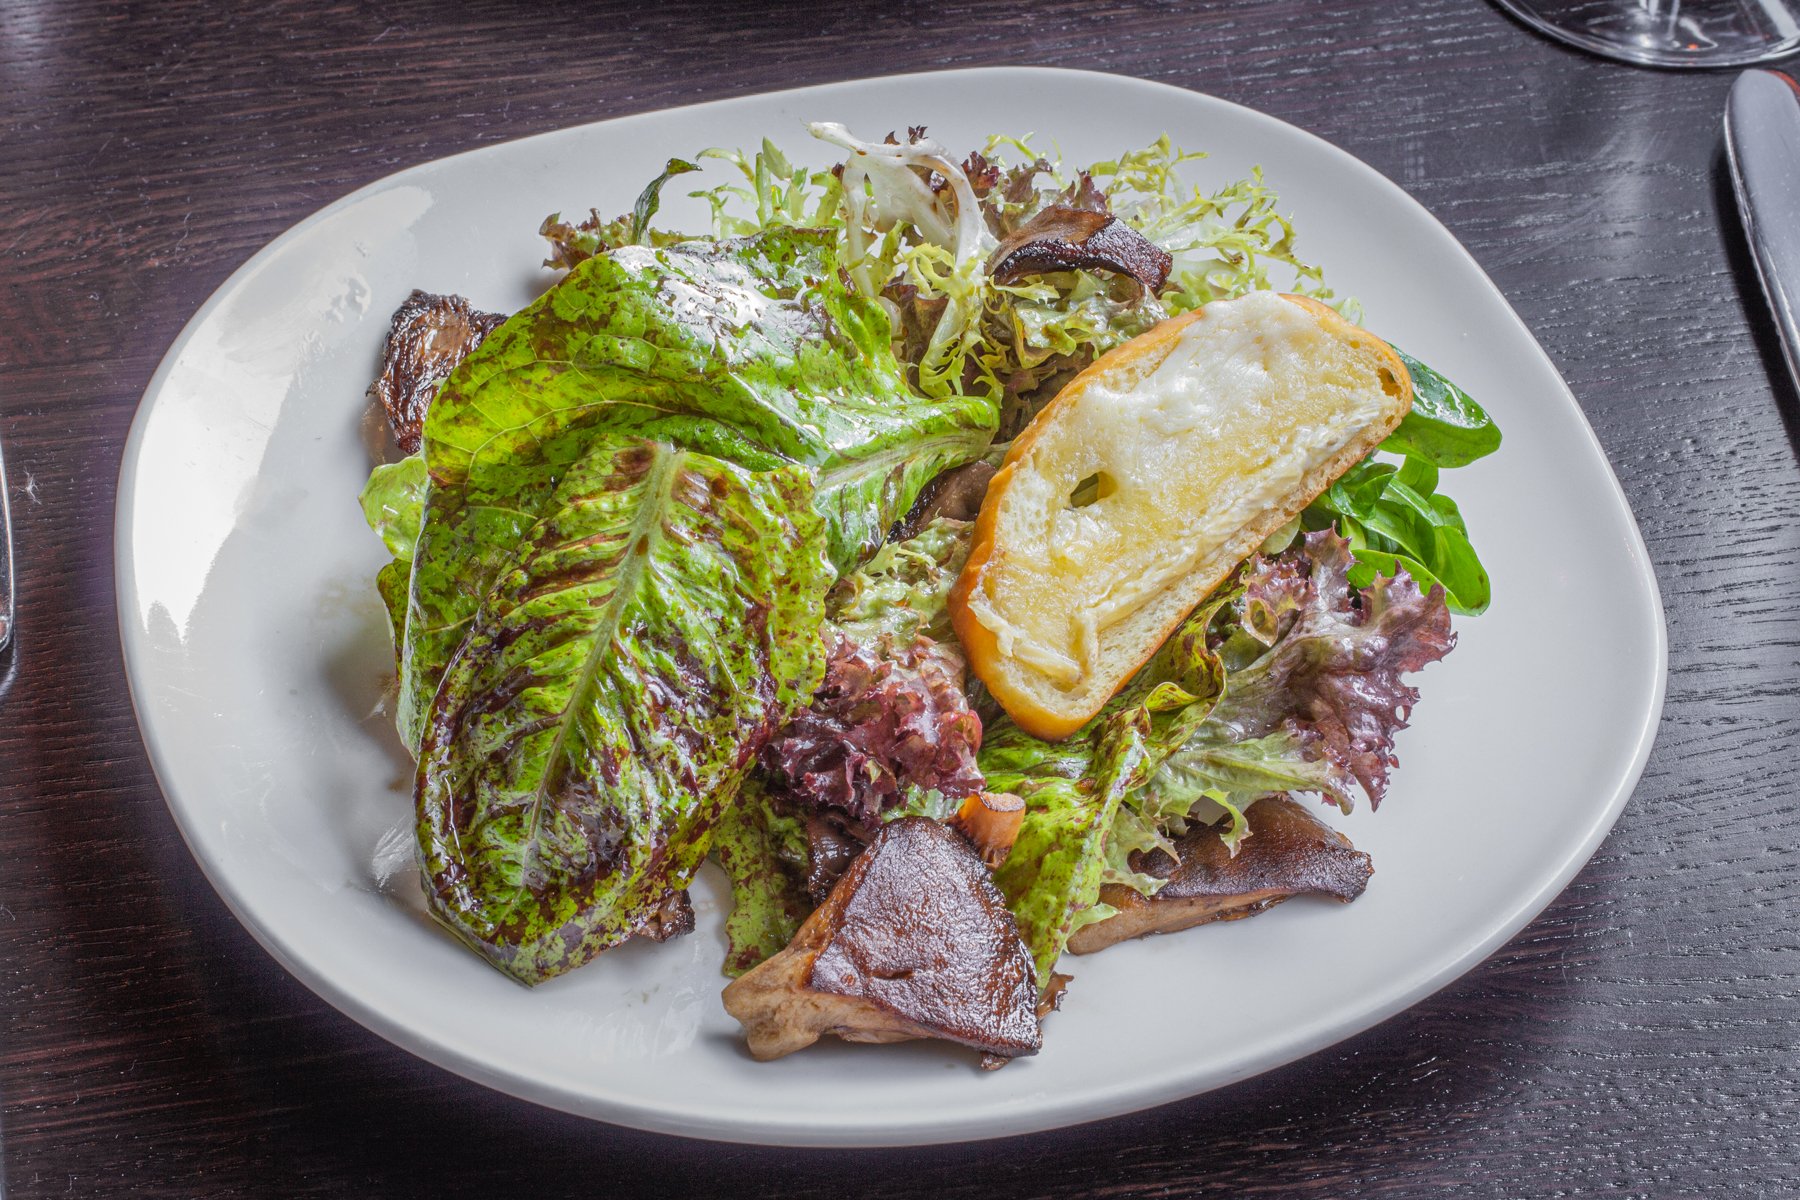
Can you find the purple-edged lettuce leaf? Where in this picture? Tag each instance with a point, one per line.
(763, 850)
(1287, 680)
(892, 719)
(750, 351)
(645, 637)
(1331, 677)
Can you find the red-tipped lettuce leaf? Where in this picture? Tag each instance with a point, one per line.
(647, 636)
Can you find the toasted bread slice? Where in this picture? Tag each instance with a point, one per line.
(1148, 479)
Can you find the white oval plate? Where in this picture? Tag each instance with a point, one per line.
(256, 650)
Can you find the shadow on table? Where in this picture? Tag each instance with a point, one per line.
(1761, 320)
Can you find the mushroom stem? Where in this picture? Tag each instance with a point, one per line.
(990, 820)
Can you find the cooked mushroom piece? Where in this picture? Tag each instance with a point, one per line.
(1061, 238)
(1289, 853)
(674, 917)
(956, 493)
(914, 942)
(427, 338)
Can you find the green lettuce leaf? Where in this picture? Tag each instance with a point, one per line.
(393, 502)
(646, 636)
(1051, 878)
(1073, 790)
(750, 351)
(764, 855)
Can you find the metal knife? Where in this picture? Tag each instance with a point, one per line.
(1762, 142)
(6, 572)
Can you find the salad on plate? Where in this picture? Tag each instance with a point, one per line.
(982, 561)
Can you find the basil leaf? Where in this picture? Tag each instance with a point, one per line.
(649, 634)
(1446, 427)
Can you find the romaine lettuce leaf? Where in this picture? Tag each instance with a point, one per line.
(751, 351)
(646, 635)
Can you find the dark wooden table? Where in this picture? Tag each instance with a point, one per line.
(1641, 1039)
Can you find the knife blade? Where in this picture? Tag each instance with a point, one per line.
(6, 562)
(1762, 144)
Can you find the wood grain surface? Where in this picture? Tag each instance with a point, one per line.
(1641, 1039)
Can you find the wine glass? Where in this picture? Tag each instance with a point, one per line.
(1670, 33)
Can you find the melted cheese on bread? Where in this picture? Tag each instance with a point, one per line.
(1166, 459)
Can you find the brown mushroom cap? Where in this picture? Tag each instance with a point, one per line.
(1061, 238)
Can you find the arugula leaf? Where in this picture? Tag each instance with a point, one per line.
(1445, 427)
(649, 633)
(1395, 521)
(751, 351)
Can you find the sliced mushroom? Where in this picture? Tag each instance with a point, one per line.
(427, 338)
(672, 918)
(956, 493)
(1289, 853)
(914, 942)
(1061, 238)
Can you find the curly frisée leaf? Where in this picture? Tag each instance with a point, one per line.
(646, 637)
(775, 191)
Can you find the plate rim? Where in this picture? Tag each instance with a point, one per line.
(1056, 1112)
